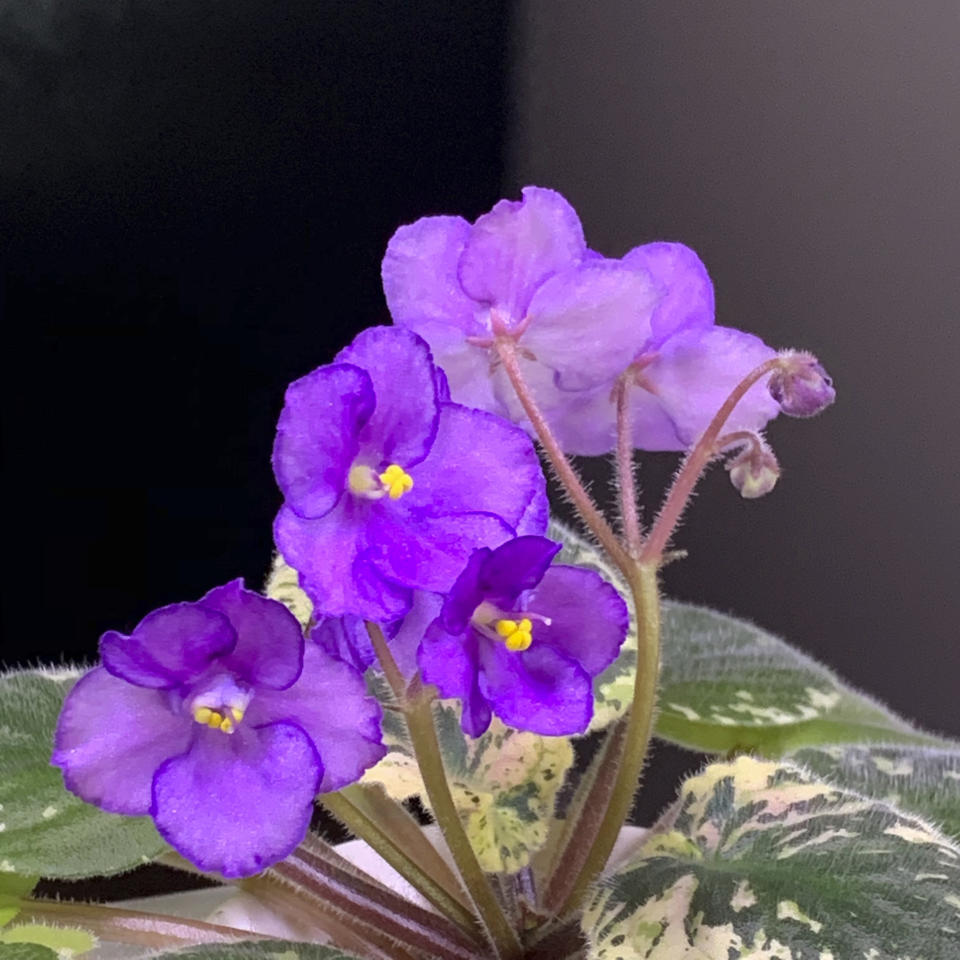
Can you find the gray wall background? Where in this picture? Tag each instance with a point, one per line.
(809, 151)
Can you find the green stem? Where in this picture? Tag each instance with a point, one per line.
(357, 821)
(415, 702)
(646, 599)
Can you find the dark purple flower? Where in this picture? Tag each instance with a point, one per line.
(388, 487)
(801, 386)
(581, 321)
(216, 720)
(523, 639)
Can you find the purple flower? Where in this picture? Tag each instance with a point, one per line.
(523, 639)
(388, 486)
(580, 321)
(801, 386)
(216, 720)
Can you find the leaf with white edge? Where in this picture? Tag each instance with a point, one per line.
(728, 685)
(921, 780)
(283, 584)
(259, 950)
(65, 942)
(504, 784)
(13, 889)
(45, 829)
(763, 860)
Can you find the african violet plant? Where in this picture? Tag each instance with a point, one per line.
(427, 631)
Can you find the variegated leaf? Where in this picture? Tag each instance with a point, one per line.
(64, 942)
(922, 780)
(258, 950)
(283, 584)
(503, 783)
(764, 860)
(44, 829)
(728, 685)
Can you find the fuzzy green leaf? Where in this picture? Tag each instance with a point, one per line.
(63, 941)
(504, 784)
(728, 685)
(259, 950)
(764, 860)
(922, 780)
(26, 951)
(13, 888)
(46, 830)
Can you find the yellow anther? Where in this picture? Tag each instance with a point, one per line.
(226, 725)
(214, 720)
(237, 713)
(397, 481)
(517, 637)
(202, 714)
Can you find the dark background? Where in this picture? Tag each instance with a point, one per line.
(195, 198)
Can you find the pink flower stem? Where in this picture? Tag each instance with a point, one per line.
(507, 352)
(693, 466)
(625, 470)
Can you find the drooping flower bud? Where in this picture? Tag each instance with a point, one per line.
(801, 386)
(754, 471)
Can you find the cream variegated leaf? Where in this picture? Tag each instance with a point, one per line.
(283, 584)
(63, 942)
(44, 829)
(921, 780)
(766, 861)
(728, 685)
(257, 950)
(504, 784)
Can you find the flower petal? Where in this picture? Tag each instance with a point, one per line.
(169, 647)
(112, 736)
(450, 662)
(330, 704)
(465, 595)
(420, 279)
(330, 554)
(588, 322)
(515, 566)
(516, 246)
(687, 300)
(539, 690)
(405, 636)
(588, 617)
(694, 373)
(235, 804)
(404, 420)
(317, 436)
(346, 639)
(269, 650)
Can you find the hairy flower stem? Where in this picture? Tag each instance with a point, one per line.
(694, 464)
(625, 470)
(646, 598)
(417, 708)
(132, 927)
(590, 513)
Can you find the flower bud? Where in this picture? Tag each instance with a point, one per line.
(755, 471)
(801, 386)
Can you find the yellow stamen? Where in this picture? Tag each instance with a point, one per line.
(202, 714)
(517, 637)
(237, 713)
(214, 720)
(226, 725)
(397, 481)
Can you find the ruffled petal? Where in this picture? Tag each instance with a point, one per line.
(236, 804)
(335, 570)
(345, 638)
(450, 662)
(516, 246)
(111, 738)
(588, 322)
(169, 647)
(465, 595)
(687, 299)
(330, 704)
(269, 650)
(317, 436)
(404, 421)
(539, 690)
(693, 375)
(404, 637)
(588, 617)
(420, 279)
(515, 566)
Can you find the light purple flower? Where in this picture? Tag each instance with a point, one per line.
(801, 386)
(523, 639)
(388, 487)
(579, 320)
(219, 722)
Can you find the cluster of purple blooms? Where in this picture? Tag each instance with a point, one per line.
(414, 499)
